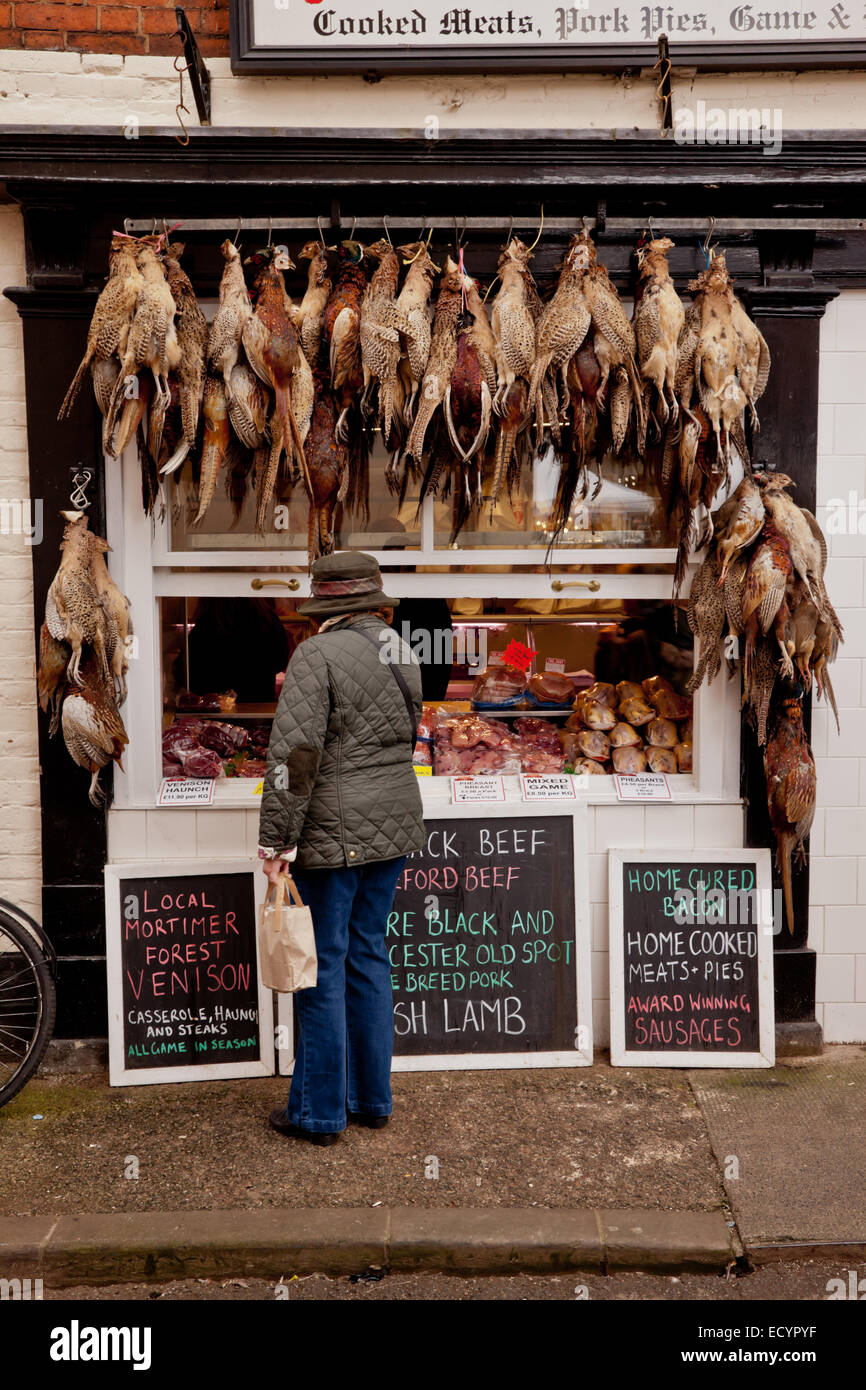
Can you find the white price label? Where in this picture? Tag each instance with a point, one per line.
(555, 786)
(642, 786)
(185, 791)
(477, 789)
(555, 663)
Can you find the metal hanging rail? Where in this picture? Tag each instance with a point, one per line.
(723, 226)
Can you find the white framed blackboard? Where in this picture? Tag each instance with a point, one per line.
(528, 863)
(185, 997)
(691, 958)
(494, 912)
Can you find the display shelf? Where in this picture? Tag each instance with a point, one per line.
(231, 716)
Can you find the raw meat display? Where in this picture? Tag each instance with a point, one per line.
(591, 715)
(665, 699)
(498, 686)
(194, 747)
(623, 736)
(627, 728)
(628, 759)
(662, 733)
(541, 732)
(224, 739)
(201, 762)
(187, 700)
(594, 744)
(551, 688)
(661, 760)
(252, 767)
(602, 693)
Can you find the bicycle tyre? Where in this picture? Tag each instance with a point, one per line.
(48, 1010)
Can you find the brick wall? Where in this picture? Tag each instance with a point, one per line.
(20, 857)
(837, 919)
(83, 27)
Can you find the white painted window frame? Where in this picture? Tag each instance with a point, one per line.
(147, 570)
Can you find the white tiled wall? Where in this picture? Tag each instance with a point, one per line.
(837, 919)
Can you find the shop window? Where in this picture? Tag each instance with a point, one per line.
(216, 618)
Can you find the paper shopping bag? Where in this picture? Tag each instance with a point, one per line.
(287, 943)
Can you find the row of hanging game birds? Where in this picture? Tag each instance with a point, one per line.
(465, 388)
(274, 393)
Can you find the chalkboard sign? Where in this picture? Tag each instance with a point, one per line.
(184, 994)
(489, 943)
(691, 958)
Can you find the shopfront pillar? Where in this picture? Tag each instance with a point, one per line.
(787, 307)
(55, 308)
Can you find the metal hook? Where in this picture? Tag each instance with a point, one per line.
(540, 229)
(321, 237)
(507, 240)
(352, 233)
(458, 240)
(238, 232)
(387, 230)
(652, 230)
(181, 106)
(705, 244)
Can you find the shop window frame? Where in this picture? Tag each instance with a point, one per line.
(147, 570)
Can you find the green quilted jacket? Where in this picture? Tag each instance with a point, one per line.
(340, 783)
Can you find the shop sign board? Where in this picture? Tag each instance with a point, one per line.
(642, 786)
(691, 958)
(436, 35)
(489, 942)
(185, 998)
(185, 791)
(553, 786)
(474, 789)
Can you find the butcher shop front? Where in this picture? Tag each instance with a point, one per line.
(582, 538)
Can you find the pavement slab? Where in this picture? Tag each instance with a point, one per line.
(572, 1137)
(795, 1137)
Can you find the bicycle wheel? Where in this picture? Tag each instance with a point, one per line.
(27, 1006)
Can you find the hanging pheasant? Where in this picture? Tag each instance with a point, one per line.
(83, 652)
(308, 315)
(513, 318)
(381, 325)
(791, 790)
(151, 346)
(441, 362)
(659, 318)
(192, 335)
(274, 353)
(109, 328)
(413, 303)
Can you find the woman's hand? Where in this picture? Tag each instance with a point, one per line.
(273, 868)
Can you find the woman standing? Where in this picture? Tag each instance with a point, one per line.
(341, 805)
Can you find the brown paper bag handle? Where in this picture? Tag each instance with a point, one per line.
(279, 891)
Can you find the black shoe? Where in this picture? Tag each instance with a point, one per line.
(278, 1121)
(368, 1121)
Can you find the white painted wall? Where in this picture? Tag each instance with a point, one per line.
(837, 918)
(20, 849)
(108, 89)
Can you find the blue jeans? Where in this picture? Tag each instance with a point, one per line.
(346, 1023)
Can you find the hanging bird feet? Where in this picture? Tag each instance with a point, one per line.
(342, 429)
